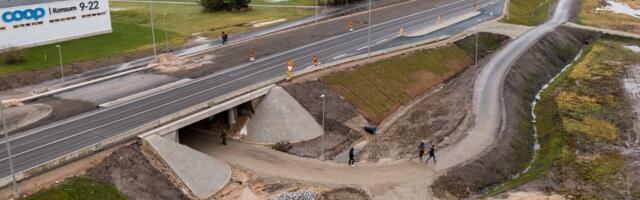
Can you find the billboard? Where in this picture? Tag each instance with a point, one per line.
(49, 22)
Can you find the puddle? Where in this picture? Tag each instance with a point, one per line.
(620, 8)
(633, 48)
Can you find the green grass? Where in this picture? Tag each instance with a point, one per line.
(595, 76)
(190, 19)
(551, 137)
(125, 39)
(79, 188)
(528, 12)
(378, 88)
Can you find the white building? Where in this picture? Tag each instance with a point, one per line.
(26, 23)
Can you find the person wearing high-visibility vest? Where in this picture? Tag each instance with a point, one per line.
(315, 61)
(350, 25)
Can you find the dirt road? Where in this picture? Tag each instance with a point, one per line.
(394, 179)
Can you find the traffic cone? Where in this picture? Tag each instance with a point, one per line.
(251, 55)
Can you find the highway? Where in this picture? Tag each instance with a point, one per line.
(38, 146)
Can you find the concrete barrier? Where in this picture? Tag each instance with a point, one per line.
(446, 23)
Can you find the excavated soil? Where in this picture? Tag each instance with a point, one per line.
(129, 170)
(62, 109)
(514, 147)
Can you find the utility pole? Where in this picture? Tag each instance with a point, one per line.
(60, 58)
(323, 133)
(369, 39)
(153, 31)
(6, 141)
(316, 11)
(166, 36)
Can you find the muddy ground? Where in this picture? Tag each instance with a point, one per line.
(131, 171)
(515, 144)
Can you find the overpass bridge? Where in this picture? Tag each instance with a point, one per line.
(49, 146)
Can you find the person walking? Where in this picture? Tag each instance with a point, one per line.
(432, 154)
(224, 38)
(223, 136)
(352, 155)
(421, 148)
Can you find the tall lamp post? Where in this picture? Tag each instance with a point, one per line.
(153, 31)
(477, 36)
(60, 58)
(369, 39)
(323, 133)
(166, 36)
(316, 11)
(6, 141)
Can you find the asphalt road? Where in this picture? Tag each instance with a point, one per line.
(41, 145)
(487, 98)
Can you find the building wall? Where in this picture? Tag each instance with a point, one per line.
(38, 24)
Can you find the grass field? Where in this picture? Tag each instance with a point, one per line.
(528, 12)
(189, 19)
(588, 16)
(79, 188)
(580, 108)
(132, 33)
(126, 38)
(377, 89)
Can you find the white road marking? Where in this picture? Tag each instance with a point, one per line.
(340, 56)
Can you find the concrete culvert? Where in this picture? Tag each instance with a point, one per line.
(279, 117)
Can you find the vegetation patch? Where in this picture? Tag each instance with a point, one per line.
(77, 188)
(579, 117)
(379, 88)
(528, 12)
(588, 15)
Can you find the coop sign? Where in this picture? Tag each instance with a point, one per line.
(26, 14)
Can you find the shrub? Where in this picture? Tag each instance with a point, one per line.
(220, 5)
(283, 146)
(14, 55)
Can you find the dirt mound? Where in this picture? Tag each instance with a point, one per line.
(169, 63)
(308, 95)
(514, 148)
(344, 194)
(131, 172)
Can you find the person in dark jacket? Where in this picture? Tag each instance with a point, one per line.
(223, 136)
(432, 154)
(421, 147)
(352, 155)
(224, 37)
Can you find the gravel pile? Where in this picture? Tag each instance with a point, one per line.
(296, 196)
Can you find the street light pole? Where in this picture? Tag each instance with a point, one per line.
(60, 58)
(369, 39)
(477, 36)
(153, 31)
(6, 141)
(323, 133)
(316, 11)
(166, 36)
